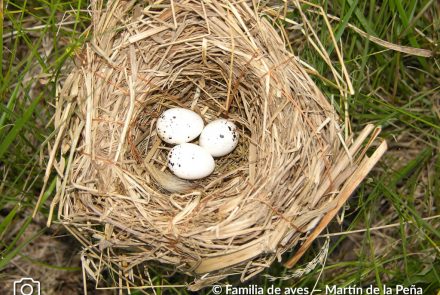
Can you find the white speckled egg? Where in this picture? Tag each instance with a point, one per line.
(190, 161)
(179, 125)
(219, 138)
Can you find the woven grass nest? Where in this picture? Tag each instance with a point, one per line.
(285, 181)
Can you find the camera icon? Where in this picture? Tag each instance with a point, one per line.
(26, 286)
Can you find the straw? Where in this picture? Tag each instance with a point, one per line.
(290, 172)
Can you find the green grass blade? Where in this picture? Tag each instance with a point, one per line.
(19, 124)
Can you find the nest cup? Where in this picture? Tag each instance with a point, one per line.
(221, 60)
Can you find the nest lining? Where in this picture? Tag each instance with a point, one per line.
(222, 60)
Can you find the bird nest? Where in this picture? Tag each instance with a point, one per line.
(279, 188)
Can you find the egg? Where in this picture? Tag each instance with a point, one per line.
(179, 125)
(190, 161)
(219, 138)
